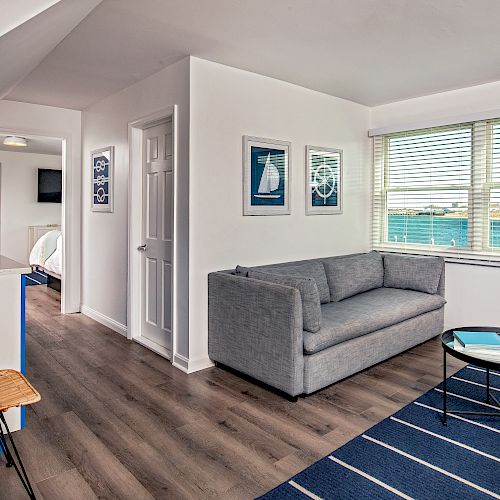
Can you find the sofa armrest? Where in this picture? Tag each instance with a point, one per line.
(255, 327)
(442, 281)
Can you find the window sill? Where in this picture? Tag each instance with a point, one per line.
(468, 257)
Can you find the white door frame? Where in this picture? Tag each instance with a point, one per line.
(70, 220)
(134, 306)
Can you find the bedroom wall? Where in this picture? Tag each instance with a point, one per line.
(471, 290)
(104, 235)
(33, 119)
(18, 200)
(227, 103)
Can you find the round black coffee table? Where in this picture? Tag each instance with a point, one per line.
(447, 342)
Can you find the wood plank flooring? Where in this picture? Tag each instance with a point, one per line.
(117, 421)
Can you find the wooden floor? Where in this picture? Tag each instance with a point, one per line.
(117, 421)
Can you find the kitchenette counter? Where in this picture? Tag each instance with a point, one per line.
(9, 266)
(12, 325)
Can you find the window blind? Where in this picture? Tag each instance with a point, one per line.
(494, 184)
(437, 191)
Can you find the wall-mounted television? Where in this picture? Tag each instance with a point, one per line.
(49, 186)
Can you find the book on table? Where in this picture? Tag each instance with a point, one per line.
(478, 340)
(485, 345)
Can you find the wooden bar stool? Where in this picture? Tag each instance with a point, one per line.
(15, 391)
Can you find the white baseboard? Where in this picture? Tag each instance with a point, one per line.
(196, 365)
(191, 366)
(153, 346)
(104, 320)
(181, 362)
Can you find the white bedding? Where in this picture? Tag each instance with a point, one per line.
(54, 263)
(47, 252)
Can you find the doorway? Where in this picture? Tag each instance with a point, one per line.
(40, 176)
(151, 304)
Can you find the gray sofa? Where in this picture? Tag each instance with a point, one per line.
(301, 326)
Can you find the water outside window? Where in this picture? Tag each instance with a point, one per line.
(429, 176)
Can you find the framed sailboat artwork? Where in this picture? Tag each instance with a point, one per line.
(266, 176)
(323, 180)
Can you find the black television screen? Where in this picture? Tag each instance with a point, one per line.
(49, 186)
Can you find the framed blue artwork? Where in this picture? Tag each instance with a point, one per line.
(323, 180)
(102, 161)
(266, 176)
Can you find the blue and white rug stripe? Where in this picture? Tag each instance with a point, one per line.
(412, 454)
(36, 278)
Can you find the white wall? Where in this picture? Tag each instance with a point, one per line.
(18, 200)
(217, 106)
(227, 103)
(104, 235)
(471, 290)
(455, 103)
(33, 119)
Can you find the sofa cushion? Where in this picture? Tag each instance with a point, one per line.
(412, 272)
(308, 269)
(311, 307)
(366, 313)
(352, 274)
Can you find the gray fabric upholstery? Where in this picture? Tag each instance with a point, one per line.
(413, 272)
(311, 306)
(353, 274)
(256, 328)
(442, 283)
(367, 312)
(340, 361)
(307, 269)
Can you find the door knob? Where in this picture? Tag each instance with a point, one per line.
(142, 248)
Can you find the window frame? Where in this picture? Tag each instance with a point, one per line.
(489, 185)
(479, 191)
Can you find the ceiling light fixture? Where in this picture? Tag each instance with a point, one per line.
(12, 140)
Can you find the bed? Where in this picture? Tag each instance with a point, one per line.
(46, 254)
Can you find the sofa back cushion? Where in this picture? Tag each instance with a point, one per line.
(410, 272)
(352, 274)
(307, 269)
(311, 306)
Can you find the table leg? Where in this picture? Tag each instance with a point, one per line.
(487, 385)
(445, 394)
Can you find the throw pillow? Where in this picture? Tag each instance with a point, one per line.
(353, 274)
(410, 272)
(309, 269)
(311, 307)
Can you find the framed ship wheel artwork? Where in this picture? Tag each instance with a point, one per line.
(323, 180)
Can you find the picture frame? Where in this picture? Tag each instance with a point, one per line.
(103, 163)
(266, 176)
(324, 180)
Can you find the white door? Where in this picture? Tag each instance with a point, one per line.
(157, 231)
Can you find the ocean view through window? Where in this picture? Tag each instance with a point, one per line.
(426, 229)
(438, 189)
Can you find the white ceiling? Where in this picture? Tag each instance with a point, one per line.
(368, 51)
(20, 12)
(40, 145)
(28, 40)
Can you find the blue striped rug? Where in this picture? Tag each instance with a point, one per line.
(36, 278)
(412, 454)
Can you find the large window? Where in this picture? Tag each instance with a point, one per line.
(437, 190)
